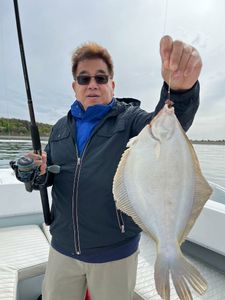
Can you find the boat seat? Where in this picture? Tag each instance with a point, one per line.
(8, 282)
(23, 254)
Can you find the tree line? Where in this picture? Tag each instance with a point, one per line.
(17, 127)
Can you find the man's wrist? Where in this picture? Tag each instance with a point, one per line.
(172, 91)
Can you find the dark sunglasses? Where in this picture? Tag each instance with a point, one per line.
(85, 79)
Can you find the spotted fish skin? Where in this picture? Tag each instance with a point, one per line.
(159, 184)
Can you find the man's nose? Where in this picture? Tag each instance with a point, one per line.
(92, 84)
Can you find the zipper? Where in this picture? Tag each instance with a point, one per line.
(75, 194)
(75, 200)
(120, 220)
(75, 208)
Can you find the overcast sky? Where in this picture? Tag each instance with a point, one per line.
(131, 30)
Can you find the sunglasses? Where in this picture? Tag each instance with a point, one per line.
(85, 79)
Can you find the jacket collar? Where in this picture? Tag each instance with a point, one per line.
(92, 113)
(118, 107)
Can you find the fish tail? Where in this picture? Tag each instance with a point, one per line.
(183, 272)
(161, 275)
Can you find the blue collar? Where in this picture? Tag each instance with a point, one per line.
(95, 112)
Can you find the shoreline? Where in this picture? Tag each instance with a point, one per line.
(21, 137)
(45, 138)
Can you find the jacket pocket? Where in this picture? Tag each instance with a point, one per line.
(59, 136)
(62, 149)
(112, 128)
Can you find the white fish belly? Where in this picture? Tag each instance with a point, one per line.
(160, 180)
(160, 185)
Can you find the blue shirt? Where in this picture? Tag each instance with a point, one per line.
(86, 120)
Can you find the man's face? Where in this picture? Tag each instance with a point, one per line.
(93, 93)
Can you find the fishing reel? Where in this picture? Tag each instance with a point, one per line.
(29, 173)
(25, 169)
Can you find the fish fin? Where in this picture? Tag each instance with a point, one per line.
(161, 274)
(201, 194)
(132, 141)
(181, 287)
(121, 196)
(183, 272)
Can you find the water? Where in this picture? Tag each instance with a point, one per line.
(211, 158)
(212, 162)
(12, 149)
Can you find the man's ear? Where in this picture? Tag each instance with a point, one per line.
(113, 86)
(74, 85)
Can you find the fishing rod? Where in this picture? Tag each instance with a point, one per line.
(35, 136)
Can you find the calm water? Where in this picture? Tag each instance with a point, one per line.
(211, 157)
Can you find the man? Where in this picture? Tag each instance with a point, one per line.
(93, 244)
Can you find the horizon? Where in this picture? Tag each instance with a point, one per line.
(21, 136)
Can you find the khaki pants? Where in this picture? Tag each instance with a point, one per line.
(67, 278)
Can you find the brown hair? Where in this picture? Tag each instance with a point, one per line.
(91, 50)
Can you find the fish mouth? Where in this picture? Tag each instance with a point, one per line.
(169, 104)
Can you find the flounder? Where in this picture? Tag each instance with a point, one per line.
(159, 184)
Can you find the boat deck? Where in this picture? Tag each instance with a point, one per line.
(17, 207)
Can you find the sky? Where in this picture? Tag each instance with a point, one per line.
(131, 30)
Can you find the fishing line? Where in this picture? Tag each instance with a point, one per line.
(169, 84)
(164, 33)
(165, 17)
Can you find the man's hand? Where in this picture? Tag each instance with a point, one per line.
(182, 61)
(39, 160)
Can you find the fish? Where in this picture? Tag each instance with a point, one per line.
(159, 183)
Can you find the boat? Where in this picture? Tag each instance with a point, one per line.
(25, 241)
